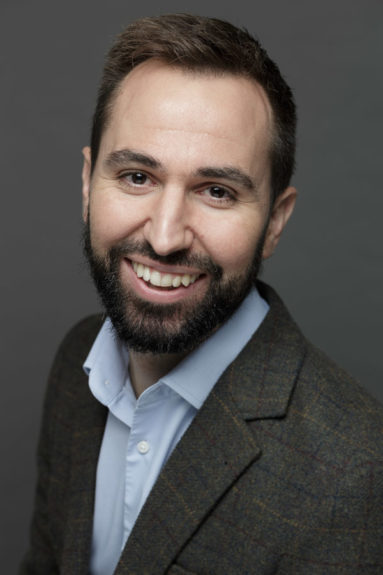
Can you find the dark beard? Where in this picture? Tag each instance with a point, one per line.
(148, 327)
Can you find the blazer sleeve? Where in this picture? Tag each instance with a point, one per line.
(66, 389)
(40, 558)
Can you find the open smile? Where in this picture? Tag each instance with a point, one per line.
(164, 284)
(161, 279)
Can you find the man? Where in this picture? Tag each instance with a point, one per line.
(195, 430)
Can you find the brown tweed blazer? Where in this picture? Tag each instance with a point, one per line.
(280, 472)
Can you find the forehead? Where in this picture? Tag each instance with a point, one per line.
(155, 102)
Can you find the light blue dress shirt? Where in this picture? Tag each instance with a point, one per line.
(140, 434)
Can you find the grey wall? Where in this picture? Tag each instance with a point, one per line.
(328, 268)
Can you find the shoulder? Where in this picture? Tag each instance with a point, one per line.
(326, 407)
(79, 339)
(77, 342)
(67, 376)
(338, 407)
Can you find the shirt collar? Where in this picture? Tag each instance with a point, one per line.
(193, 378)
(107, 365)
(196, 375)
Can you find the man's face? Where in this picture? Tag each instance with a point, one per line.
(177, 210)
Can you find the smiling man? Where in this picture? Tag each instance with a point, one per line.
(178, 203)
(195, 430)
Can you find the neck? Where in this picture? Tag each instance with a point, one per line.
(146, 368)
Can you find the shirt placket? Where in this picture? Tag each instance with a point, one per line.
(139, 457)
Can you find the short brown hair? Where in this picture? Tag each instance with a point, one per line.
(198, 43)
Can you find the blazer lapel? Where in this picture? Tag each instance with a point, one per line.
(218, 446)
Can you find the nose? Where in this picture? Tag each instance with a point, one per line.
(168, 228)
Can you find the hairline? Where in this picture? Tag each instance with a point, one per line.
(274, 136)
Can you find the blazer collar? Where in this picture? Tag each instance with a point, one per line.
(263, 376)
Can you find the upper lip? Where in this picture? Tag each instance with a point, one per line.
(163, 268)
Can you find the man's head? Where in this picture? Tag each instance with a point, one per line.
(200, 44)
(177, 195)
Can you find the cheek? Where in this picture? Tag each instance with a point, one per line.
(233, 245)
(110, 222)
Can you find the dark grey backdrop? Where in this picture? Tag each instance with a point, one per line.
(328, 267)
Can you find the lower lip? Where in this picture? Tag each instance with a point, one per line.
(149, 292)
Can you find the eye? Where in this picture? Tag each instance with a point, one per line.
(217, 192)
(218, 196)
(135, 178)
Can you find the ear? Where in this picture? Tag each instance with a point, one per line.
(86, 171)
(281, 211)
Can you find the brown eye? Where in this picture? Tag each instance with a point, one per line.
(137, 178)
(217, 196)
(217, 192)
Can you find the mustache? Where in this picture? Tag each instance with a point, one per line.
(183, 258)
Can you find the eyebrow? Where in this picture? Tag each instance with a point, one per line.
(229, 173)
(119, 158)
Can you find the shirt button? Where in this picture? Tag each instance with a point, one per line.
(143, 447)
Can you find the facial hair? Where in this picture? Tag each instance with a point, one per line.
(178, 327)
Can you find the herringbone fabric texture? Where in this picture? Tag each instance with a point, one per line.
(281, 472)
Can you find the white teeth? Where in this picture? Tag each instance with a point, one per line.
(166, 280)
(146, 274)
(176, 281)
(139, 269)
(162, 280)
(155, 278)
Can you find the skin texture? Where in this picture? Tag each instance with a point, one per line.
(184, 166)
